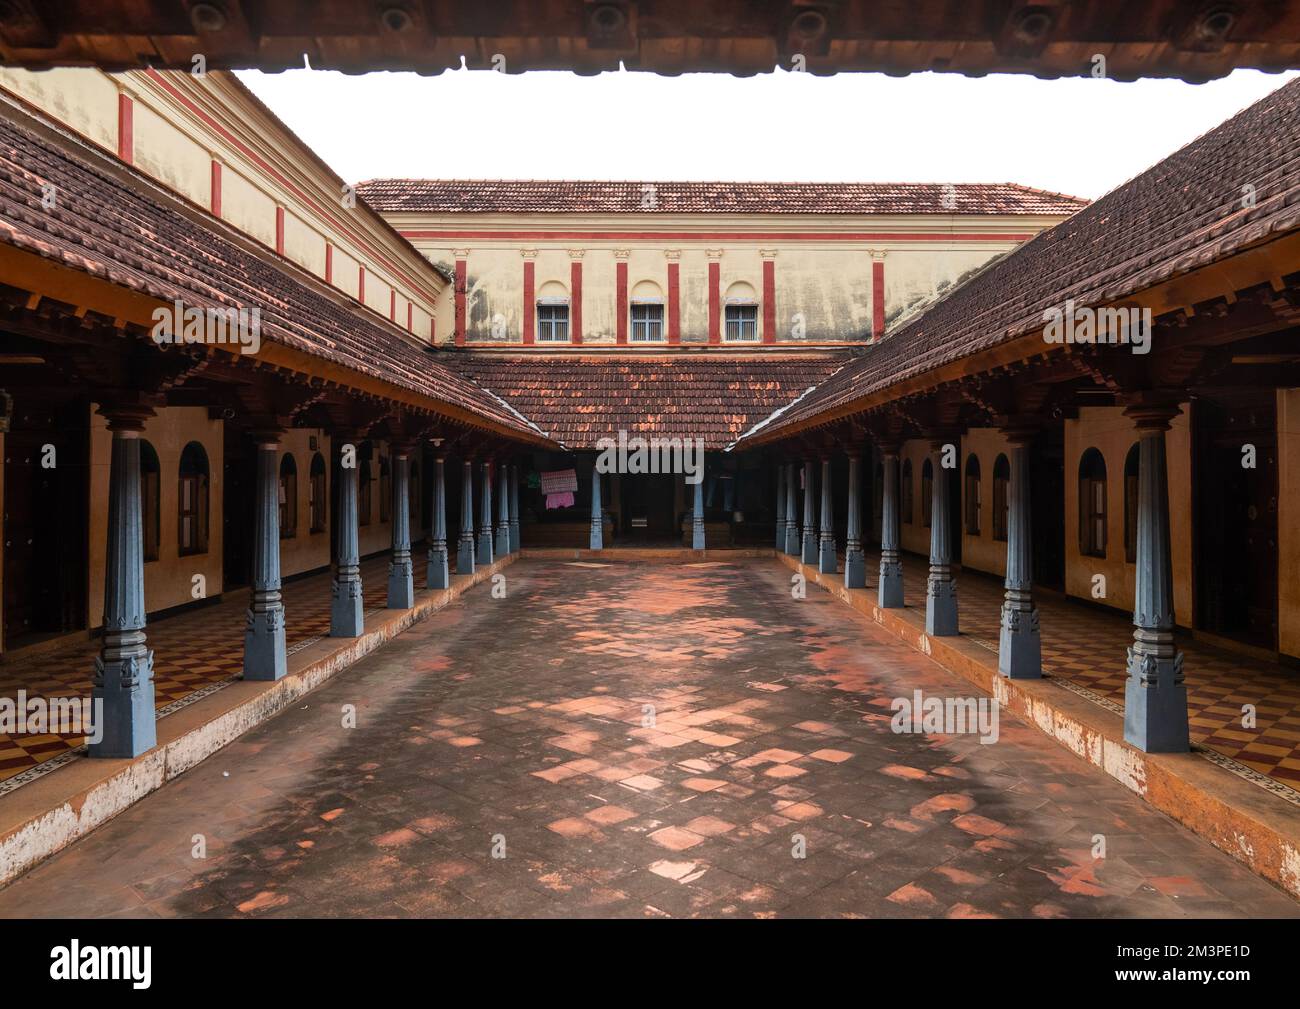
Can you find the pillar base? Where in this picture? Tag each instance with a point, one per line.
(1020, 648)
(855, 569)
(265, 657)
(484, 554)
(465, 556)
(346, 619)
(697, 536)
(809, 554)
(401, 584)
(514, 536)
(941, 608)
(889, 592)
(503, 541)
(123, 702)
(827, 562)
(1155, 703)
(596, 538)
(792, 541)
(436, 575)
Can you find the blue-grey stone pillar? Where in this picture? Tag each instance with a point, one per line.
(780, 507)
(826, 560)
(855, 561)
(1155, 697)
(346, 620)
(791, 512)
(809, 515)
(401, 580)
(889, 592)
(1020, 649)
(484, 556)
(697, 517)
(597, 538)
(503, 510)
(514, 508)
(436, 574)
(122, 690)
(940, 589)
(265, 656)
(465, 548)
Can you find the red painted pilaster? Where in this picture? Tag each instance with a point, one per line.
(329, 263)
(674, 302)
(279, 230)
(530, 301)
(410, 317)
(392, 304)
(215, 204)
(575, 309)
(715, 301)
(460, 302)
(126, 129)
(769, 301)
(877, 299)
(620, 273)
(361, 284)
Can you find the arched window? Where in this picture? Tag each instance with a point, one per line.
(647, 311)
(288, 497)
(1001, 499)
(905, 492)
(972, 495)
(927, 491)
(385, 489)
(1092, 504)
(150, 500)
(1131, 486)
(363, 483)
(553, 313)
(192, 501)
(740, 313)
(316, 493)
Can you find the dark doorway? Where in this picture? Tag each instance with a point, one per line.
(46, 493)
(1047, 507)
(648, 502)
(239, 487)
(1235, 515)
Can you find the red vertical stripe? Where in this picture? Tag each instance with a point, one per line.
(715, 302)
(620, 272)
(361, 283)
(216, 188)
(575, 312)
(126, 129)
(674, 302)
(769, 301)
(877, 299)
(279, 230)
(329, 263)
(530, 301)
(410, 317)
(392, 304)
(460, 302)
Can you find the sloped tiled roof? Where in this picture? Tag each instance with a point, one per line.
(529, 196)
(580, 399)
(1184, 213)
(131, 232)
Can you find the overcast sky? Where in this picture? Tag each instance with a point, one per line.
(1078, 136)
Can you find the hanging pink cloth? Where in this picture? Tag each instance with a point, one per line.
(562, 500)
(559, 486)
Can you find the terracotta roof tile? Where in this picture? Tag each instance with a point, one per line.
(506, 196)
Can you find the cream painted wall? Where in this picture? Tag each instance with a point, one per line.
(168, 581)
(306, 551)
(914, 535)
(247, 207)
(983, 552)
(1111, 433)
(84, 100)
(1288, 520)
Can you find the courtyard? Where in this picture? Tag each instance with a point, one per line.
(635, 739)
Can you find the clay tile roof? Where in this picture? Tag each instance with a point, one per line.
(469, 196)
(581, 399)
(1183, 213)
(115, 224)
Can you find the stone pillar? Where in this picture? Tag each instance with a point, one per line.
(1155, 697)
(465, 548)
(697, 515)
(346, 619)
(809, 515)
(436, 574)
(791, 512)
(484, 556)
(826, 560)
(855, 562)
(514, 508)
(1020, 649)
(265, 657)
(503, 510)
(597, 537)
(889, 591)
(122, 689)
(780, 507)
(401, 582)
(940, 589)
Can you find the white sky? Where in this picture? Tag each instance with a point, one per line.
(1077, 136)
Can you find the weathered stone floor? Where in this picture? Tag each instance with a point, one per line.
(517, 722)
